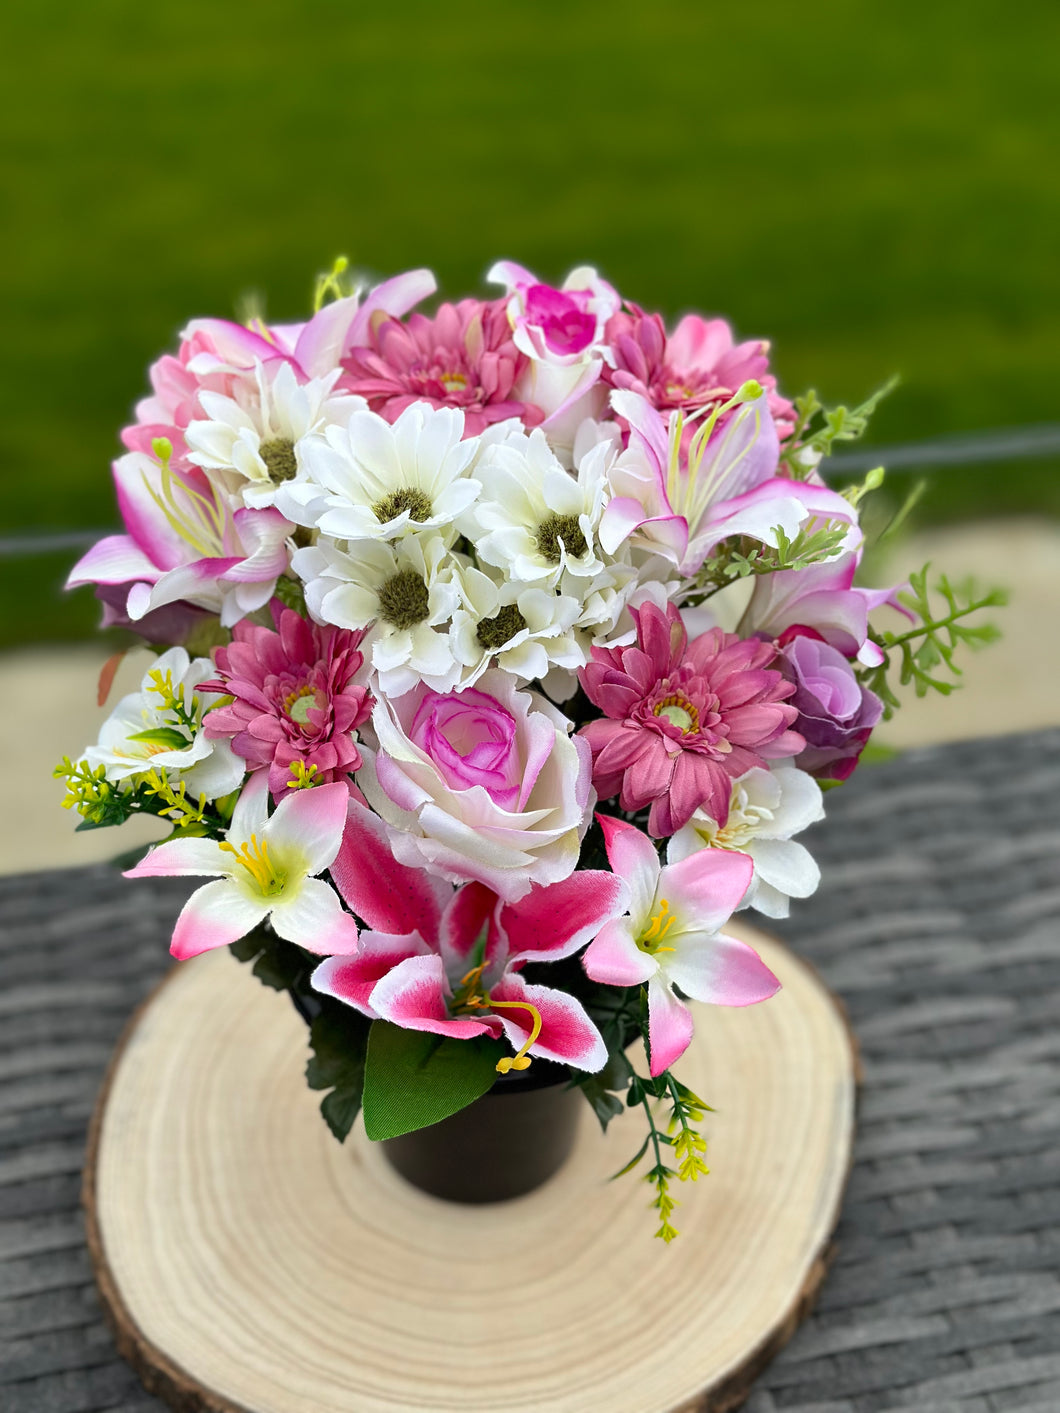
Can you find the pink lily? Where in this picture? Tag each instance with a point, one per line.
(184, 543)
(424, 965)
(682, 496)
(265, 868)
(822, 599)
(672, 936)
(314, 348)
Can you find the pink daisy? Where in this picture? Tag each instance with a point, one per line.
(295, 700)
(462, 357)
(695, 366)
(683, 720)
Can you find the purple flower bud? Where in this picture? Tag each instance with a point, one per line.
(836, 713)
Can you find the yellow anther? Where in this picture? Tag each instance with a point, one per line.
(521, 1061)
(254, 856)
(661, 921)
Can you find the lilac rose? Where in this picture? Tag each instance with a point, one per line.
(836, 713)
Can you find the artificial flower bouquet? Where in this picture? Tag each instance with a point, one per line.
(502, 653)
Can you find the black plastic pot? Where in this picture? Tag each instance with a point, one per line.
(503, 1145)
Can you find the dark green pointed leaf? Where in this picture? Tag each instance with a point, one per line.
(413, 1079)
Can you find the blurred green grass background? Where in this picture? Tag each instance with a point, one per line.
(874, 188)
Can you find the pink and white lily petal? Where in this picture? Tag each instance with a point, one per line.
(313, 821)
(414, 995)
(719, 969)
(633, 857)
(116, 559)
(388, 895)
(215, 915)
(352, 979)
(554, 922)
(614, 959)
(180, 857)
(669, 1026)
(707, 887)
(567, 1034)
(313, 917)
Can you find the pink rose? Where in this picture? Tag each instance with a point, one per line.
(484, 784)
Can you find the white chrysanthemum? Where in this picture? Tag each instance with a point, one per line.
(406, 589)
(767, 808)
(254, 444)
(520, 628)
(373, 480)
(536, 521)
(160, 727)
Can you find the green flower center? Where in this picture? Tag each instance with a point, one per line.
(560, 532)
(279, 458)
(679, 712)
(415, 501)
(403, 599)
(494, 632)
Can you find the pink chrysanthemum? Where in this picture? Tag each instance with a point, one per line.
(683, 720)
(462, 357)
(295, 699)
(695, 366)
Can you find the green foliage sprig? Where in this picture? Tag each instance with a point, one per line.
(739, 558)
(679, 1134)
(837, 424)
(928, 647)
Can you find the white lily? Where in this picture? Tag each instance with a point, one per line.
(767, 808)
(265, 868)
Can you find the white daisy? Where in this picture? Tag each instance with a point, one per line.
(373, 480)
(536, 521)
(406, 589)
(767, 808)
(520, 628)
(254, 444)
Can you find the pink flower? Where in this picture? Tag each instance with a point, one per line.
(680, 496)
(462, 357)
(821, 598)
(561, 331)
(672, 936)
(837, 714)
(683, 720)
(266, 867)
(420, 966)
(695, 366)
(484, 784)
(184, 544)
(296, 700)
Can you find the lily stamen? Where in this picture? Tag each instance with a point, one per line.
(520, 1061)
(254, 856)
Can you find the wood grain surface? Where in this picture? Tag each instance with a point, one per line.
(247, 1261)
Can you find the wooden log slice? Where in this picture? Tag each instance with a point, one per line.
(249, 1262)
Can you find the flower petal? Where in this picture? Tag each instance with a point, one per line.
(414, 994)
(567, 1034)
(669, 1026)
(706, 889)
(353, 979)
(215, 915)
(555, 921)
(633, 858)
(389, 896)
(314, 918)
(181, 856)
(614, 958)
(314, 821)
(720, 969)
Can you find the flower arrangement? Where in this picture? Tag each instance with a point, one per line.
(503, 653)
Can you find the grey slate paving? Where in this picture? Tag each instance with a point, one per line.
(938, 922)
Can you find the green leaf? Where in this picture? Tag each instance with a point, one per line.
(167, 736)
(628, 1167)
(603, 1088)
(339, 1039)
(413, 1079)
